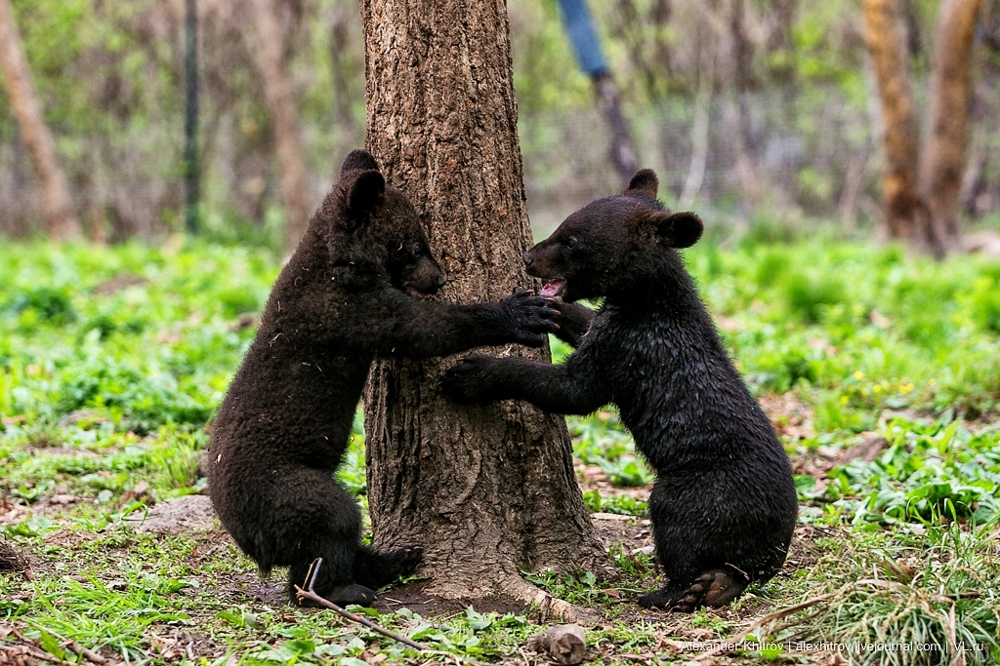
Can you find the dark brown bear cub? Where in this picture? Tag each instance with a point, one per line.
(723, 506)
(352, 291)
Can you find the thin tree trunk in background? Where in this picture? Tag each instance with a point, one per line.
(486, 490)
(944, 156)
(903, 210)
(285, 120)
(340, 29)
(57, 204)
(622, 150)
(192, 167)
(702, 116)
(742, 50)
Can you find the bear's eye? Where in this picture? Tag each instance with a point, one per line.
(571, 242)
(416, 251)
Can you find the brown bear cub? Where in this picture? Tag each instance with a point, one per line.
(352, 291)
(723, 506)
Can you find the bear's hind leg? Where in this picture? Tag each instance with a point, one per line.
(376, 569)
(334, 581)
(329, 530)
(713, 588)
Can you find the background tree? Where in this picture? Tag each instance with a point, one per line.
(60, 221)
(284, 118)
(487, 491)
(944, 158)
(903, 212)
(920, 193)
(792, 112)
(582, 34)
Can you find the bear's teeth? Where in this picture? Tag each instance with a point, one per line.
(553, 288)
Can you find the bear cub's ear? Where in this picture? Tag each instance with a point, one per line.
(644, 183)
(363, 182)
(679, 229)
(365, 194)
(358, 160)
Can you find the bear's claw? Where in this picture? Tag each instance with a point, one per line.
(714, 588)
(408, 558)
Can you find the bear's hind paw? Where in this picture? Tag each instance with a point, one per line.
(345, 595)
(714, 588)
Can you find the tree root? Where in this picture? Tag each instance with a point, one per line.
(548, 606)
(509, 584)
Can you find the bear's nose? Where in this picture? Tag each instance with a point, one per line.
(441, 280)
(527, 258)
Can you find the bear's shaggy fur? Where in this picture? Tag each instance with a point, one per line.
(352, 291)
(723, 506)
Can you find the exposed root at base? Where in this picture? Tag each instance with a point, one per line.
(548, 605)
(512, 586)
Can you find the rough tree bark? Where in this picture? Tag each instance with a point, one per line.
(904, 213)
(943, 161)
(486, 490)
(57, 204)
(284, 119)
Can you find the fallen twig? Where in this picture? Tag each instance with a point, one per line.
(76, 648)
(310, 594)
(38, 652)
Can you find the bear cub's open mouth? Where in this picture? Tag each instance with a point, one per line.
(552, 288)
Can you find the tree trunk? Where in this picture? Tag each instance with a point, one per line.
(944, 156)
(284, 119)
(904, 213)
(340, 46)
(57, 204)
(742, 73)
(486, 490)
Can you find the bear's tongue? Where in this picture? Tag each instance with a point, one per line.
(552, 288)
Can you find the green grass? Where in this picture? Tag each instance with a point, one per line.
(113, 360)
(930, 596)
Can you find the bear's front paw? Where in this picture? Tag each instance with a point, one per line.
(407, 559)
(467, 382)
(573, 320)
(530, 317)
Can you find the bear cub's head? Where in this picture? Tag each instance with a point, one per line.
(388, 220)
(618, 242)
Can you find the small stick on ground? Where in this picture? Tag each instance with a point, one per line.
(309, 594)
(38, 652)
(74, 647)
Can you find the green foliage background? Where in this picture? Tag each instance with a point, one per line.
(126, 352)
